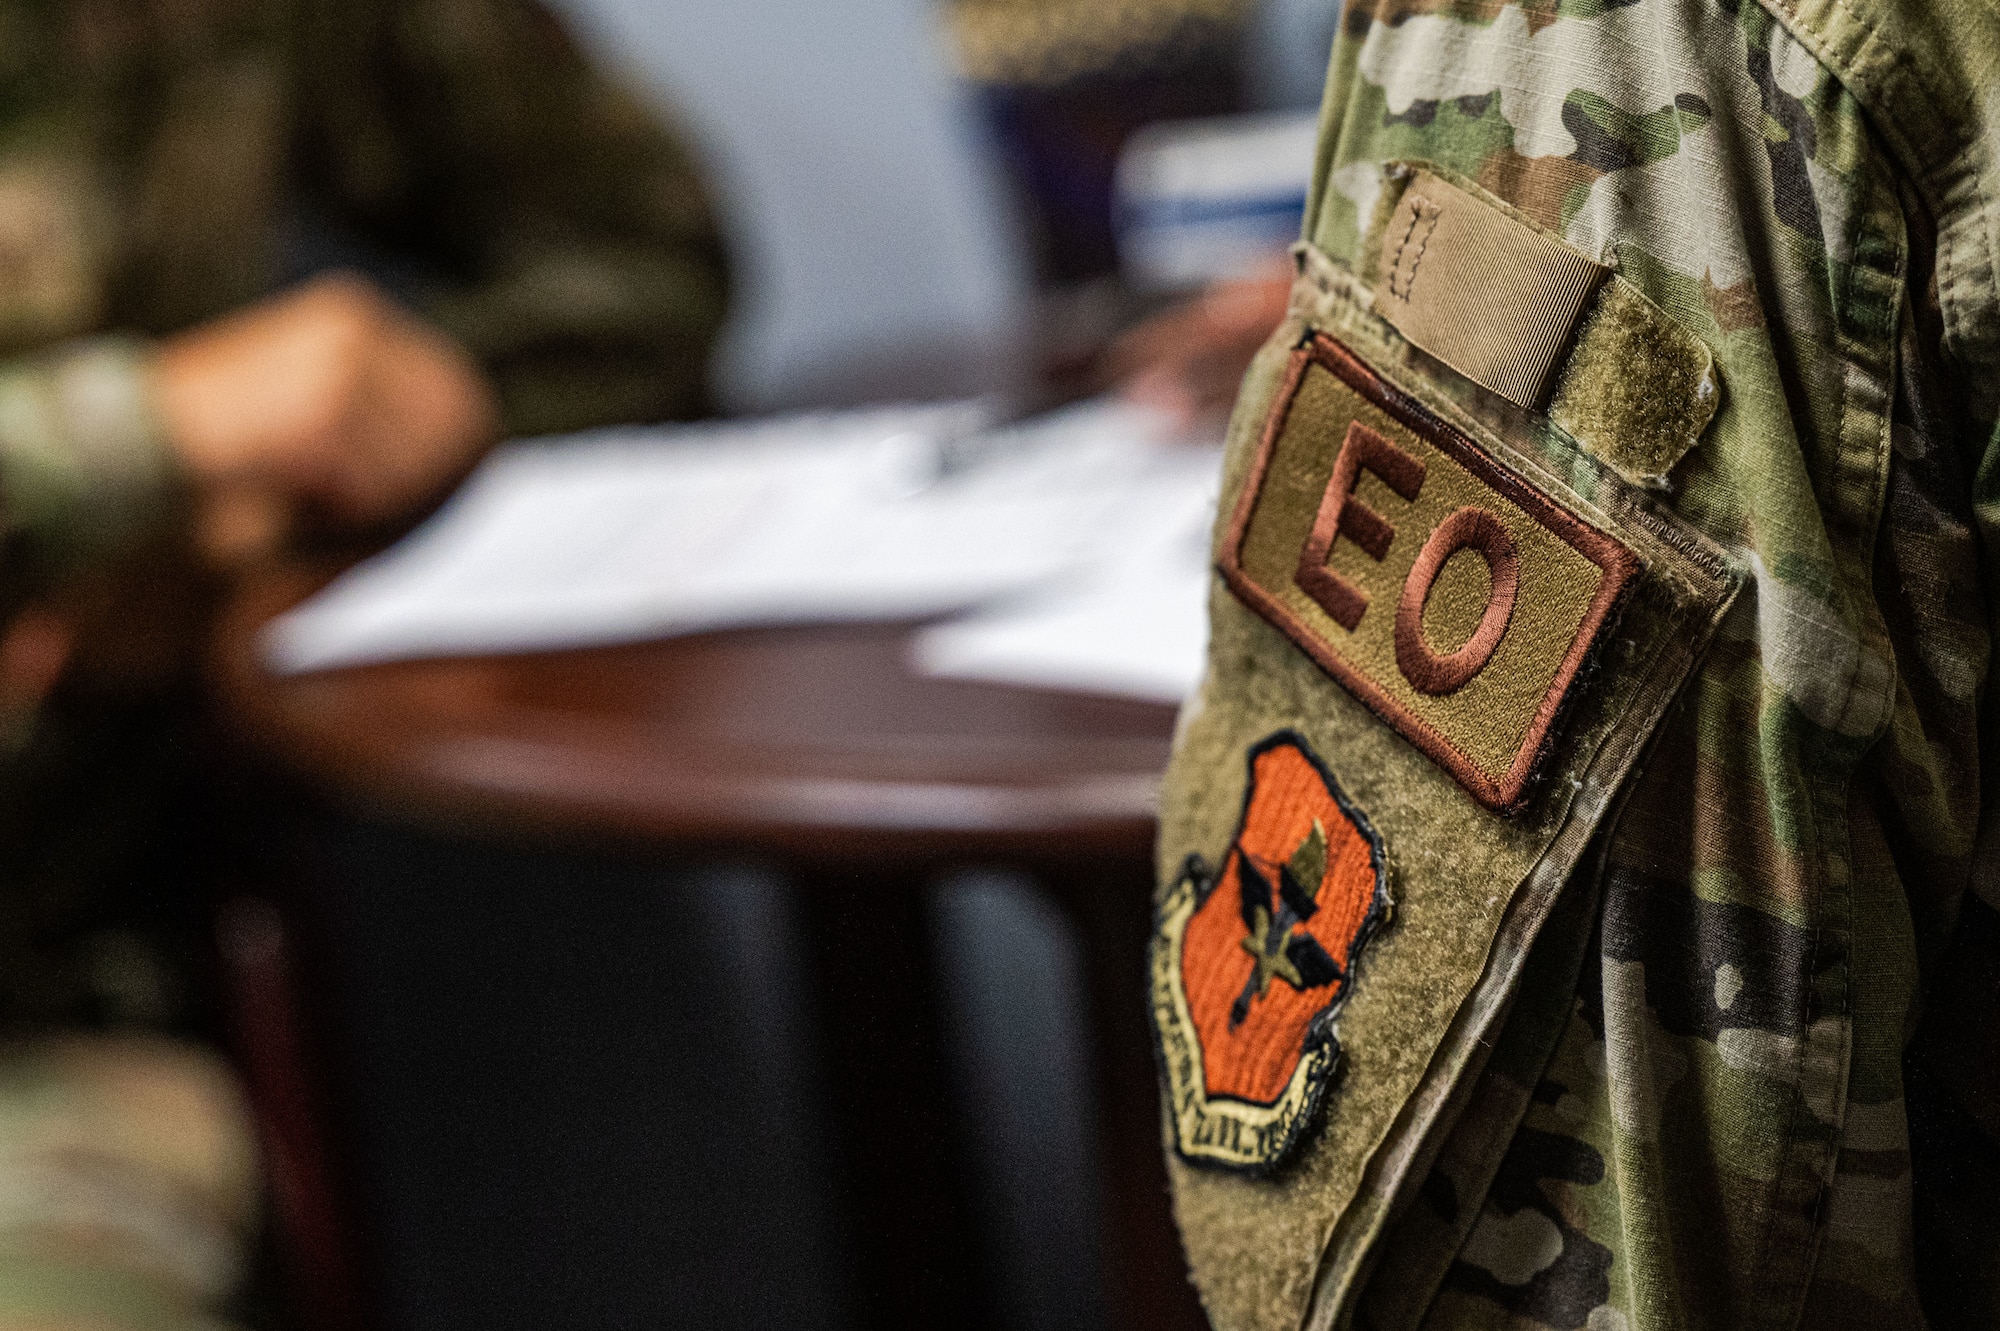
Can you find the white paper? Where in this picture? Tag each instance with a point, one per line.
(1133, 620)
(645, 533)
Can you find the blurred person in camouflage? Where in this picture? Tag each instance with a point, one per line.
(1578, 907)
(1064, 83)
(179, 370)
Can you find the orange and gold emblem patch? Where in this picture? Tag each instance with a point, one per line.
(1447, 593)
(1252, 960)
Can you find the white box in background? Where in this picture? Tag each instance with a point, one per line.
(1200, 201)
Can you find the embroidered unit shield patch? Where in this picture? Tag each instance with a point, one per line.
(1252, 960)
(1447, 593)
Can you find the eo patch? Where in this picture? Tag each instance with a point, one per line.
(1251, 962)
(1445, 592)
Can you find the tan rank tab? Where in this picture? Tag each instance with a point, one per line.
(1449, 595)
(1487, 294)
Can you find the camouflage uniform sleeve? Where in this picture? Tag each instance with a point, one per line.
(582, 263)
(84, 467)
(1746, 1076)
(132, 1185)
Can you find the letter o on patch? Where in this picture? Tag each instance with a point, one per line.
(1468, 528)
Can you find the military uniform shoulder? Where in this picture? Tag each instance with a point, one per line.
(1928, 71)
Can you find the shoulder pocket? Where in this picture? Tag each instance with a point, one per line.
(1433, 664)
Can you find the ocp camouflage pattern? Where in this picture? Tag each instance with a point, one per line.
(1752, 1077)
(161, 165)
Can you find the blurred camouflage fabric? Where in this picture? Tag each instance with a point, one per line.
(1064, 83)
(1055, 41)
(1754, 1080)
(161, 164)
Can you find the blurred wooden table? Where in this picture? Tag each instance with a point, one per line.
(821, 749)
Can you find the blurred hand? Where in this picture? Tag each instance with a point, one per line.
(1189, 360)
(34, 648)
(330, 401)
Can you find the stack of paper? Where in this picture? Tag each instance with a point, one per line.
(1130, 619)
(1082, 516)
